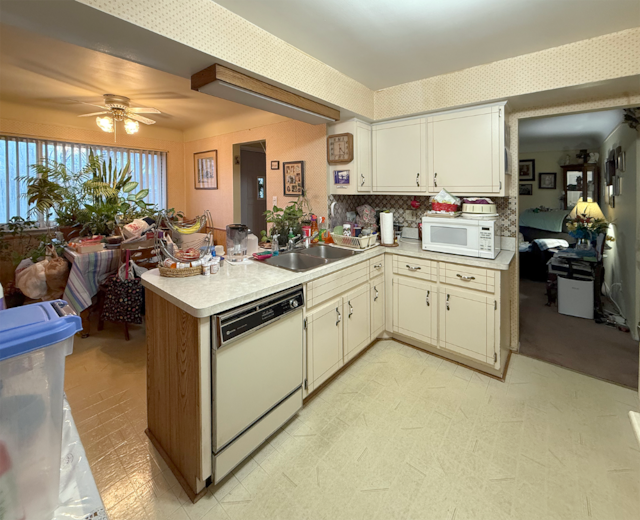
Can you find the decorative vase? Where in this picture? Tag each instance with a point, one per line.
(583, 244)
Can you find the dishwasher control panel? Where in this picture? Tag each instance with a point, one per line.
(243, 320)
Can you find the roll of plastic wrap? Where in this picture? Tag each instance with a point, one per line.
(387, 236)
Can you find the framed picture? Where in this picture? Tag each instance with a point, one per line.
(609, 172)
(621, 159)
(341, 178)
(547, 181)
(527, 170)
(526, 189)
(293, 178)
(205, 168)
(275, 165)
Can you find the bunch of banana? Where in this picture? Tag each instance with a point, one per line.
(193, 228)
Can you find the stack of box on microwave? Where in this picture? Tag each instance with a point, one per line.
(444, 203)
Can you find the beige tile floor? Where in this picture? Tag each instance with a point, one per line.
(400, 434)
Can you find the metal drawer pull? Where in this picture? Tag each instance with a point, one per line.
(339, 319)
(363, 179)
(428, 292)
(448, 302)
(376, 296)
(413, 268)
(377, 266)
(350, 309)
(465, 277)
(435, 182)
(417, 179)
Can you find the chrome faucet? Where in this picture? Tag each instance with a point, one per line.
(292, 242)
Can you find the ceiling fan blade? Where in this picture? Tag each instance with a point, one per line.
(143, 110)
(141, 119)
(94, 114)
(94, 105)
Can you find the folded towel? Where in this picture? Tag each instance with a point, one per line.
(549, 243)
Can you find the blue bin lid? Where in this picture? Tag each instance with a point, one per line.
(32, 327)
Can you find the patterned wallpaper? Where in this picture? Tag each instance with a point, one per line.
(210, 28)
(399, 203)
(605, 57)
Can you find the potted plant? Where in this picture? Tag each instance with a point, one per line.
(284, 220)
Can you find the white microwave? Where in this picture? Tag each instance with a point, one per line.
(460, 236)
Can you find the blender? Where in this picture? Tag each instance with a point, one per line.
(237, 242)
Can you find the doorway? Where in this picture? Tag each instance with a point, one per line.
(579, 302)
(253, 186)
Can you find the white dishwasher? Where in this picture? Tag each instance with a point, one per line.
(257, 375)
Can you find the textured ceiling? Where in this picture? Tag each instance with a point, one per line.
(382, 43)
(570, 132)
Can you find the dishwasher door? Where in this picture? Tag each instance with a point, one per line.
(255, 373)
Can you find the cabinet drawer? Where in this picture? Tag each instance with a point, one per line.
(415, 267)
(332, 285)
(376, 266)
(470, 277)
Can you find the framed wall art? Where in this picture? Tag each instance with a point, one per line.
(341, 178)
(275, 165)
(205, 167)
(527, 170)
(526, 189)
(547, 181)
(293, 178)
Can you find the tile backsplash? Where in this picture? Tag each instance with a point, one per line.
(506, 207)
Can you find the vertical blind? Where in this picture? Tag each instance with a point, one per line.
(148, 168)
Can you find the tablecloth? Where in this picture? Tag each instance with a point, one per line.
(88, 271)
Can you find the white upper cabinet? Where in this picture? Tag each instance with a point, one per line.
(399, 156)
(466, 151)
(360, 168)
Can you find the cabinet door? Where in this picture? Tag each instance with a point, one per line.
(465, 151)
(377, 307)
(357, 321)
(467, 323)
(414, 309)
(363, 153)
(324, 343)
(399, 156)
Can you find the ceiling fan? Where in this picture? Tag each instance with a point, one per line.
(117, 109)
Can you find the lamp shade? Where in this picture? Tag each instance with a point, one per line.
(588, 209)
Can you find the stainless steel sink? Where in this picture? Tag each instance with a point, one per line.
(296, 261)
(331, 253)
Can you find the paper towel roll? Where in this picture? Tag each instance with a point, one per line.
(387, 236)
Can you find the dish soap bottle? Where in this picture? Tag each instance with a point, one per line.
(275, 247)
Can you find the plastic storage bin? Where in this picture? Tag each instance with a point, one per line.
(34, 340)
(575, 297)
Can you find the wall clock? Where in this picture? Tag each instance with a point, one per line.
(339, 148)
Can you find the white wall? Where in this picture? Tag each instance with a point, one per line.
(621, 261)
(546, 162)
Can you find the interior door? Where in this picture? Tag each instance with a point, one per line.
(377, 307)
(467, 323)
(357, 321)
(253, 187)
(414, 309)
(324, 342)
(464, 152)
(399, 151)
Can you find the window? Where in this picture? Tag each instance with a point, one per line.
(148, 168)
(261, 188)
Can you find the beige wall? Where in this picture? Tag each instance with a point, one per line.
(27, 121)
(621, 261)
(287, 141)
(546, 162)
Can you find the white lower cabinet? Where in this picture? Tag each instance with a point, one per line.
(357, 321)
(415, 309)
(467, 323)
(324, 342)
(377, 307)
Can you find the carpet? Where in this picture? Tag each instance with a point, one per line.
(578, 344)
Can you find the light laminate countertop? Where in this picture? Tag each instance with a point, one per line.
(235, 285)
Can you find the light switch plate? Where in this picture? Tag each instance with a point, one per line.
(275, 200)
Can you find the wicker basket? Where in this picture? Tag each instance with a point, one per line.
(180, 273)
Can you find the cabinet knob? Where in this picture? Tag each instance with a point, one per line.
(377, 266)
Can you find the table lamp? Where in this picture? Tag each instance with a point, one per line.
(587, 209)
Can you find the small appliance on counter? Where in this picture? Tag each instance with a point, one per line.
(461, 236)
(479, 208)
(237, 242)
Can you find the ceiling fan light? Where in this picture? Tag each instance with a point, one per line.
(105, 123)
(131, 126)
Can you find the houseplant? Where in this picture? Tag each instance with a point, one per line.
(284, 220)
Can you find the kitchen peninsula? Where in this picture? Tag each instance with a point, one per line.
(321, 319)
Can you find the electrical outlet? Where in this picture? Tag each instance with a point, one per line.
(409, 214)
